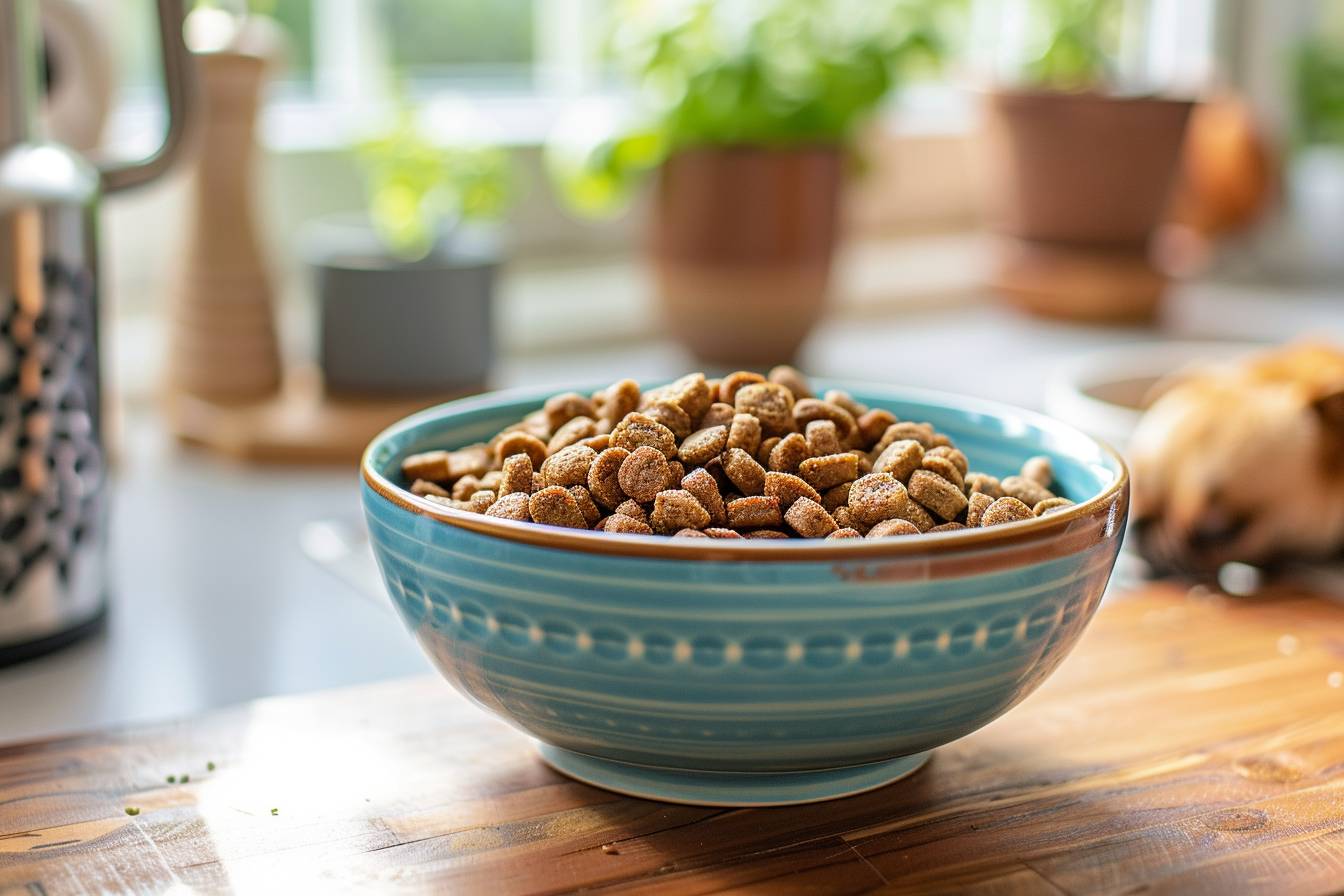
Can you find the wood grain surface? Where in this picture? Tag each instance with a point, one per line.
(1192, 744)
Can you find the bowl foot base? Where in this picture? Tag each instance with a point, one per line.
(729, 788)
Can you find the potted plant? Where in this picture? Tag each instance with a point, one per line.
(1082, 170)
(404, 292)
(746, 115)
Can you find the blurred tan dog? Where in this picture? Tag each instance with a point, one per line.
(1244, 462)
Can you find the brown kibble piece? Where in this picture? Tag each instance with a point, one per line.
(517, 475)
(844, 533)
(689, 533)
(913, 512)
(829, 471)
(770, 403)
(757, 511)
(670, 414)
(465, 487)
(809, 519)
(877, 497)
(844, 518)
(892, 528)
(767, 533)
(1025, 490)
(789, 453)
(956, 457)
(706, 490)
(562, 408)
(1005, 510)
(637, 430)
(569, 466)
(692, 394)
(729, 385)
(790, 379)
(599, 443)
(822, 438)
(675, 509)
(984, 484)
(492, 480)
(842, 399)
(809, 409)
(522, 443)
(873, 424)
(943, 467)
(591, 512)
(626, 525)
(512, 507)
(953, 526)
(424, 487)
(745, 433)
(555, 506)
(719, 414)
(644, 474)
(767, 447)
(432, 466)
(743, 471)
(918, 432)
(717, 532)
(481, 501)
(604, 477)
(837, 496)
(1039, 470)
(620, 398)
(901, 458)
(1049, 505)
(633, 510)
(699, 448)
(789, 488)
(538, 483)
(571, 433)
(976, 505)
(865, 462)
(936, 494)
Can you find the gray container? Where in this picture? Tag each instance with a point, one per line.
(392, 327)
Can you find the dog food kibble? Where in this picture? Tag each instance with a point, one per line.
(702, 446)
(876, 497)
(1005, 510)
(1049, 505)
(745, 432)
(809, 519)
(555, 506)
(823, 438)
(900, 458)
(1025, 490)
(643, 474)
(619, 522)
(890, 528)
(743, 471)
(744, 456)
(976, 505)
(677, 509)
(1039, 471)
(754, 512)
(512, 507)
(788, 488)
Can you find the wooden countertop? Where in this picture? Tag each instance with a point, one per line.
(1191, 744)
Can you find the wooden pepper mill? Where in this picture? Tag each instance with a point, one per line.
(222, 343)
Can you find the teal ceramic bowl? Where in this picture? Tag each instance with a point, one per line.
(748, 672)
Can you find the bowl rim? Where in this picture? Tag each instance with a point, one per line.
(820, 550)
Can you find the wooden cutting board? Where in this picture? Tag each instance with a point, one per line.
(1192, 744)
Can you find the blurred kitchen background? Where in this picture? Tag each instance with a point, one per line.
(385, 203)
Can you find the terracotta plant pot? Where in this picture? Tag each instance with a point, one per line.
(1081, 183)
(742, 241)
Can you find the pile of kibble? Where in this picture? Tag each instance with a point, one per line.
(745, 456)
